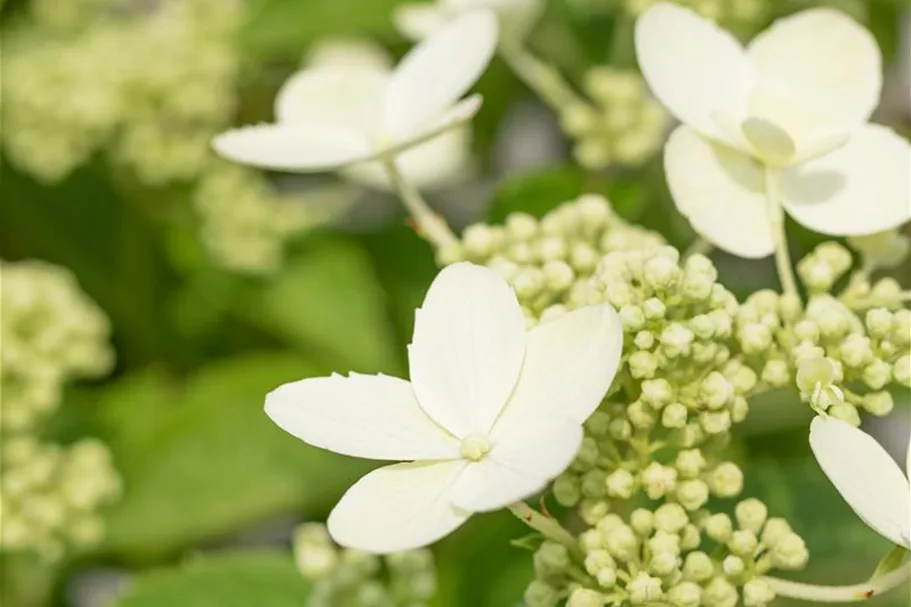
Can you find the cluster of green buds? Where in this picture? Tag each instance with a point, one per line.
(620, 123)
(245, 221)
(351, 578)
(50, 495)
(746, 15)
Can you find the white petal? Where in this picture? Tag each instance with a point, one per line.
(865, 476)
(398, 507)
(437, 72)
(518, 466)
(569, 365)
(343, 93)
(695, 69)
(721, 191)
(860, 188)
(298, 147)
(469, 341)
(827, 61)
(417, 21)
(371, 416)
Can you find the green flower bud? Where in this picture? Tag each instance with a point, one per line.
(642, 521)
(755, 338)
(845, 412)
(720, 593)
(541, 594)
(726, 480)
(657, 392)
(663, 563)
(698, 567)
(578, 119)
(553, 248)
(654, 308)
(314, 553)
(790, 552)
(597, 560)
(664, 541)
(591, 540)
(661, 273)
(584, 597)
(567, 490)
(775, 372)
(733, 566)
(621, 484)
(757, 593)
(886, 293)
(671, 518)
(901, 327)
(644, 589)
(521, 226)
(594, 484)
(901, 370)
(588, 453)
(806, 330)
(620, 429)
(719, 528)
(598, 424)
(740, 408)
(877, 374)
(593, 511)
(551, 559)
(583, 258)
(692, 494)
(481, 240)
(658, 480)
(622, 543)
(632, 316)
(774, 530)
(674, 415)
(751, 514)
(690, 539)
(690, 463)
(715, 422)
(675, 340)
(607, 578)
(878, 322)
(641, 416)
(878, 403)
(644, 340)
(642, 365)
(716, 391)
(528, 282)
(685, 594)
(594, 210)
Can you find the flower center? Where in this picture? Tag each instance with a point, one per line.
(474, 447)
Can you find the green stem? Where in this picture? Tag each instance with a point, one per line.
(839, 594)
(700, 246)
(548, 527)
(429, 224)
(544, 79)
(776, 218)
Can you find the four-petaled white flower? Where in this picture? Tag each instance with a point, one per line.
(419, 20)
(336, 116)
(793, 105)
(492, 413)
(866, 476)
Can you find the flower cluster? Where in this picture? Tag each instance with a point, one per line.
(351, 578)
(622, 124)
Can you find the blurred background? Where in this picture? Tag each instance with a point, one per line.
(153, 293)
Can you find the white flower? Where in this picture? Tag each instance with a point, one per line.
(865, 476)
(491, 414)
(419, 20)
(339, 114)
(795, 102)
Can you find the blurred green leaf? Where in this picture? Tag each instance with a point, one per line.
(328, 302)
(263, 579)
(200, 459)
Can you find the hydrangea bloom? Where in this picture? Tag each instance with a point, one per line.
(417, 21)
(492, 412)
(866, 476)
(784, 118)
(342, 114)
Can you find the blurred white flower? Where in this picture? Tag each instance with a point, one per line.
(866, 476)
(793, 105)
(419, 20)
(491, 414)
(341, 113)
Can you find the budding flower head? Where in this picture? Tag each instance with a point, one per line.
(751, 514)
(585, 597)
(757, 593)
(314, 553)
(643, 589)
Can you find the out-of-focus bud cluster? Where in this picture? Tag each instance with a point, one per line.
(621, 124)
(51, 333)
(245, 221)
(74, 85)
(739, 15)
(350, 578)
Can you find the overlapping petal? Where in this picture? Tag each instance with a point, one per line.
(520, 464)
(721, 191)
(417, 21)
(866, 476)
(861, 187)
(827, 61)
(399, 507)
(437, 72)
(467, 350)
(697, 70)
(370, 416)
(348, 94)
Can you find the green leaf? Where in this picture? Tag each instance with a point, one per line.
(263, 579)
(200, 459)
(327, 301)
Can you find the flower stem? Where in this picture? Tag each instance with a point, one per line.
(429, 224)
(776, 217)
(840, 594)
(547, 526)
(544, 79)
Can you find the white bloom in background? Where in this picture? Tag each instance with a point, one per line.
(795, 102)
(419, 20)
(338, 115)
(491, 414)
(866, 476)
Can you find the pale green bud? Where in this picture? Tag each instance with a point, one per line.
(588, 453)
(480, 240)
(620, 429)
(775, 372)
(658, 480)
(553, 248)
(877, 374)
(664, 541)
(674, 415)
(699, 277)
(685, 594)
(901, 327)
(901, 370)
(521, 226)
(644, 340)
(654, 308)
(314, 553)
(567, 490)
(743, 543)
(621, 484)
(642, 365)
(716, 391)
(806, 330)
(583, 258)
(757, 593)
(671, 518)
(790, 552)
(855, 350)
(740, 408)
(597, 560)
(732, 566)
(593, 511)
(622, 543)
(751, 514)
(578, 119)
(886, 293)
(661, 273)
(528, 282)
(585, 597)
(698, 567)
(594, 210)
(675, 339)
(644, 589)
(642, 521)
(594, 483)
(541, 594)
(632, 316)
(878, 403)
(551, 559)
(720, 593)
(607, 578)
(715, 422)
(641, 416)
(598, 423)
(663, 563)
(590, 540)
(845, 412)
(691, 435)
(774, 530)
(690, 538)
(878, 322)
(690, 463)
(692, 494)
(657, 392)
(451, 253)
(726, 480)
(755, 338)
(719, 527)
